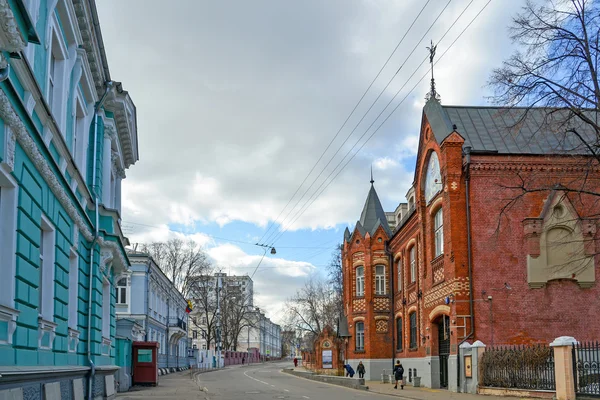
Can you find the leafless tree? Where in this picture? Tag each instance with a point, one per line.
(556, 67)
(236, 314)
(336, 278)
(180, 260)
(552, 78)
(204, 298)
(313, 307)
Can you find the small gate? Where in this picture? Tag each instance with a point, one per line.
(444, 348)
(586, 368)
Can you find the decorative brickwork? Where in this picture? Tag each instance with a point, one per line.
(381, 326)
(382, 304)
(358, 306)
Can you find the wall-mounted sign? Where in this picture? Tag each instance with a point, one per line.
(326, 344)
(327, 359)
(468, 369)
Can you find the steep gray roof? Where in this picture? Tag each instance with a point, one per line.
(508, 130)
(373, 215)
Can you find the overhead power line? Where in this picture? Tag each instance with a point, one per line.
(222, 238)
(309, 202)
(272, 223)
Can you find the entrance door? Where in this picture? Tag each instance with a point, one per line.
(444, 348)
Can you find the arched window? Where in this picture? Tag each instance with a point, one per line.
(413, 264)
(380, 280)
(399, 334)
(413, 330)
(400, 275)
(121, 291)
(433, 178)
(438, 233)
(360, 281)
(360, 335)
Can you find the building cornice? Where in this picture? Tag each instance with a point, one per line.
(554, 166)
(11, 39)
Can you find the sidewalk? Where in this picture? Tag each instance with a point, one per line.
(414, 393)
(175, 385)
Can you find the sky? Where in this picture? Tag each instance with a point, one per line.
(237, 101)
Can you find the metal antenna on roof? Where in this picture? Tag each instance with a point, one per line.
(432, 93)
(372, 181)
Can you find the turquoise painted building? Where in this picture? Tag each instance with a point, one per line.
(68, 133)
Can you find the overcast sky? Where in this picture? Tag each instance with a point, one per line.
(236, 101)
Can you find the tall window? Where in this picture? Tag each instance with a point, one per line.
(413, 330)
(46, 271)
(121, 291)
(73, 288)
(106, 309)
(8, 239)
(360, 281)
(360, 335)
(400, 275)
(51, 80)
(380, 280)
(413, 264)
(399, 335)
(439, 233)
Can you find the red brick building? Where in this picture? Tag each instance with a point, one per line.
(496, 201)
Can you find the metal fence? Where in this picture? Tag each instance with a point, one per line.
(518, 367)
(586, 368)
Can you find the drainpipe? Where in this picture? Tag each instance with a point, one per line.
(467, 153)
(109, 87)
(148, 300)
(393, 301)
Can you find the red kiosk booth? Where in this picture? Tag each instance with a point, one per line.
(145, 363)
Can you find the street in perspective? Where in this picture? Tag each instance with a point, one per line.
(325, 199)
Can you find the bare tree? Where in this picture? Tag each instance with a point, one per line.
(313, 307)
(180, 260)
(556, 66)
(336, 278)
(203, 291)
(235, 314)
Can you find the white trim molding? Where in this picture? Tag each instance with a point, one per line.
(8, 315)
(73, 340)
(46, 327)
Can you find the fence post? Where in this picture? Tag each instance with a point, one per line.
(477, 350)
(563, 367)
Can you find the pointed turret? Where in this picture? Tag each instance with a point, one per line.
(372, 214)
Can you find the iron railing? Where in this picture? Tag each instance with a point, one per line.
(586, 368)
(178, 322)
(518, 367)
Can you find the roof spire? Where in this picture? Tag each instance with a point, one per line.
(432, 93)
(372, 181)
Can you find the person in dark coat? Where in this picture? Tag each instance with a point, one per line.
(361, 370)
(349, 371)
(399, 374)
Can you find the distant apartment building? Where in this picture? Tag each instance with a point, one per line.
(262, 334)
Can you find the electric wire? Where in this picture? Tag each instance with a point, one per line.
(309, 202)
(275, 233)
(272, 223)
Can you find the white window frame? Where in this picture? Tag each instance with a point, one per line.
(360, 281)
(413, 263)
(57, 50)
(380, 287)
(360, 336)
(73, 286)
(438, 232)
(46, 265)
(106, 293)
(120, 301)
(8, 246)
(79, 123)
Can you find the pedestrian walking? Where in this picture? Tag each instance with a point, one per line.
(349, 371)
(399, 375)
(243, 360)
(361, 370)
(295, 362)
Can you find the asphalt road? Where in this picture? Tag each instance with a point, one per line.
(265, 381)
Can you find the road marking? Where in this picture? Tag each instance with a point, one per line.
(306, 397)
(273, 385)
(257, 380)
(285, 390)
